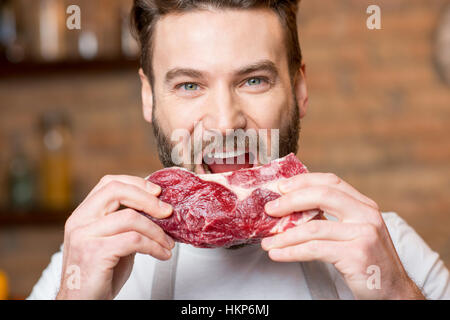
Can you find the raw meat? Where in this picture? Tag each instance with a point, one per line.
(226, 209)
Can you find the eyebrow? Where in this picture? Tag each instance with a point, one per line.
(179, 72)
(263, 65)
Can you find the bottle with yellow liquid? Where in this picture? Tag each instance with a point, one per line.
(4, 288)
(56, 184)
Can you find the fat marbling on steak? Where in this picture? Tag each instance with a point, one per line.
(226, 209)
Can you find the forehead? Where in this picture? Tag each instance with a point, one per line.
(216, 40)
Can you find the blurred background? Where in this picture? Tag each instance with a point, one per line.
(70, 112)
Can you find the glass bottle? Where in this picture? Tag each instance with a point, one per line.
(56, 180)
(21, 178)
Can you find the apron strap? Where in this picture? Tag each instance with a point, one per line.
(320, 284)
(318, 279)
(163, 287)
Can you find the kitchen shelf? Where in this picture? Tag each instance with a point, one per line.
(26, 69)
(10, 218)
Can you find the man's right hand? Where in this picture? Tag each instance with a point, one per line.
(101, 241)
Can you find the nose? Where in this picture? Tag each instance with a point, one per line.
(224, 111)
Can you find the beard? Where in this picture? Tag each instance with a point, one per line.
(288, 137)
(288, 143)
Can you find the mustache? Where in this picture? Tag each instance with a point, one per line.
(286, 142)
(237, 141)
(227, 142)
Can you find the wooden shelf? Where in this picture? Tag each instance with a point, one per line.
(10, 218)
(26, 69)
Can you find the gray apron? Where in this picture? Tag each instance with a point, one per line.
(318, 279)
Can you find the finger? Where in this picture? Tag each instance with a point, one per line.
(313, 230)
(129, 220)
(322, 179)
(328, 199)
(109, 198)
(124, 244)
(323, 250)
(139, 182)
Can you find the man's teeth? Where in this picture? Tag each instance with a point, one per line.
(223, 155)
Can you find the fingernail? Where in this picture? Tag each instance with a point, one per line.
(170, 242)
(153, 188)
(167, 252)
(285, 186)
(165, 207)
(272, 205)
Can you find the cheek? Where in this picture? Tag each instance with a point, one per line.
(269, 110)
(174, 113)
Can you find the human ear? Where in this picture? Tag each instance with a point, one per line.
(301, 91)
(147, 96)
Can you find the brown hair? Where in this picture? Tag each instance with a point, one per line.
(146, 13)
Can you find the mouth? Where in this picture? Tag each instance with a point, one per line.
(220, 162)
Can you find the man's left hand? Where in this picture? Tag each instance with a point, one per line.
(357, 241)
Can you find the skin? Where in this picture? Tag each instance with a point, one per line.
(101, 238)
(223, 97)
(358, 239)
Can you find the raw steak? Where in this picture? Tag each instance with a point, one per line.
(225, 209)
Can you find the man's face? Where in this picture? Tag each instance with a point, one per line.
(222, 70)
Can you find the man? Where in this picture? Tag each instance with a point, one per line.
(233, 64)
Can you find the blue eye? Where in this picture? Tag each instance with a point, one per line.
(254, 81)
(190, 86)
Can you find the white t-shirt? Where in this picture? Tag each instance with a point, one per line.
(248, 273)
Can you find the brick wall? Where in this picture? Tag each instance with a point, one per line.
(378, 117)
(379, 113)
